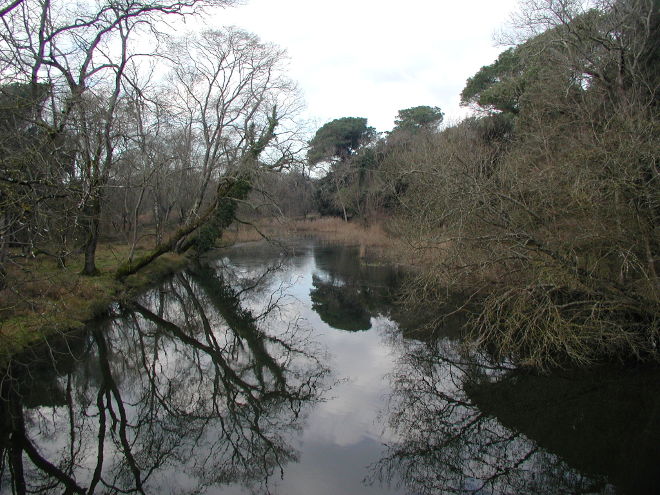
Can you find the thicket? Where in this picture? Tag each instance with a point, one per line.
(544, 207)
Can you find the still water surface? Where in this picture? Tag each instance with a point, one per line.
(264, 373)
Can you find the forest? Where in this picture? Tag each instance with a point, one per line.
(541, 209)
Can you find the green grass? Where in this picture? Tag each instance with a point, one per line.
(44, 299)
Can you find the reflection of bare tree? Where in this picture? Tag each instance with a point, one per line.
(445, 444)
(186, 391)
(602, 421)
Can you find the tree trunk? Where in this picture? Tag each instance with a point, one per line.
(133, 266)
(158, 218)
(92, 224)
(136, 215)
(210, 226)
(4, 248)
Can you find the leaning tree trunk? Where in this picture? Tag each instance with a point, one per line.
(204, 231)
(224, 214)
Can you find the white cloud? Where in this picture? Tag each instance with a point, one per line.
(370, 58)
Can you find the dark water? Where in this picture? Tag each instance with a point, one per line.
(265, 373)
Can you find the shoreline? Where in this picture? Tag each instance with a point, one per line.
(62, 301)
(20, 332)
(91, 297)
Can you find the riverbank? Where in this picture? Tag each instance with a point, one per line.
(49, 299)
(375, 241)
(46, 299)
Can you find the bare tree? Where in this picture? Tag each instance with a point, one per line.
(82, 52)
(227, 84)
(237, 108)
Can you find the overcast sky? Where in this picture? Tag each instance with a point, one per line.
(371, 58)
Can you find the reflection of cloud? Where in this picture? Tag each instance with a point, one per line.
(341, 435)
(332, 470)
(351, 415)
(360, 359)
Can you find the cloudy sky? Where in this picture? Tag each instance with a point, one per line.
(370, 58)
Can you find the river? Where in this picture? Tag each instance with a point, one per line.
(291, 373)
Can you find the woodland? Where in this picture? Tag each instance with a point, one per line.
(541, 209)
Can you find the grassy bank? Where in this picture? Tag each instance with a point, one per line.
(45, 299)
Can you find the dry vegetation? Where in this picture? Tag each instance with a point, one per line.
(336, 229)
(546, 208)
(378, 239)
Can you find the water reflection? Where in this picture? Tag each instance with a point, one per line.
(188, 390)
(604, 422)
(216, 383)
(347, 291)
(448, 444)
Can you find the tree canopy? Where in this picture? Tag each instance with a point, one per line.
(497, 86)
(339, 139)
(420, 117)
